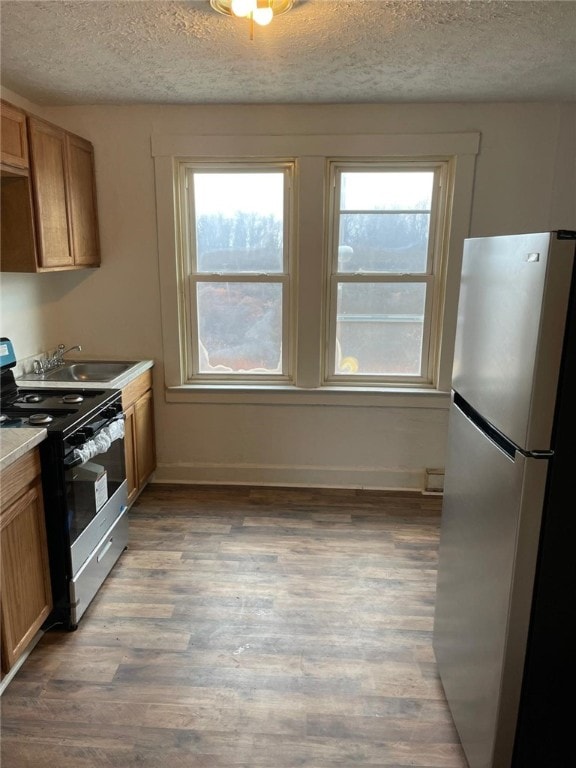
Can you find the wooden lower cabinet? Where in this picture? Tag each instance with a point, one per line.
(26, 595)
(140, 445)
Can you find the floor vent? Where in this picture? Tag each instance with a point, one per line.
(434, 481)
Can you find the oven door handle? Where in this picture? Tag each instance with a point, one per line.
(75, 461)
(96, 445)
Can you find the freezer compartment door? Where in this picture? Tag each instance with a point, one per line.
(488, 547)
(514, 294)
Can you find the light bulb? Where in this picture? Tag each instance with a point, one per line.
(263, 16)
(243, 7)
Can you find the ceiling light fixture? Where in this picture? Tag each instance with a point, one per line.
(260, 12)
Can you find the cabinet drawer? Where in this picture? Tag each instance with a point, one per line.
(136, 388)
(86, 584)
(17, 477)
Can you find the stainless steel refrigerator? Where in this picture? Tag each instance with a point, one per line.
(506, 592)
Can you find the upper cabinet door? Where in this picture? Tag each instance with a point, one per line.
(14, 140)
(82, 202)
(49, 174)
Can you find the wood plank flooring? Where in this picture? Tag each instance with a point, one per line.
(248, 628)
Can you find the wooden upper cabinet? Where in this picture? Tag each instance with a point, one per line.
(50, 219)
(14, 140)
(85, 241)
(48, 169)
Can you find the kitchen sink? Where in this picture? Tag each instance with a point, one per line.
(89, 370)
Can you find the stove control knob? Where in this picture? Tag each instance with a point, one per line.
(112, 410)
(78, 438)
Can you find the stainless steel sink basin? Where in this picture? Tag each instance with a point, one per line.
(89, 370)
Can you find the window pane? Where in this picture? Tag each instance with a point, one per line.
(240, 327)
(239, 222)
(379, 328)
(386, 191)
(383, 242)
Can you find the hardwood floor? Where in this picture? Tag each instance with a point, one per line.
(248, 628)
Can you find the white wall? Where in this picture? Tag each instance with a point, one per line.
(525, 181)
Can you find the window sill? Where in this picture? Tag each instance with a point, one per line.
(229, 394)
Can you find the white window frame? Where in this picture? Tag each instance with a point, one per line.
(193, 277)
(430, 278)
(312, 154)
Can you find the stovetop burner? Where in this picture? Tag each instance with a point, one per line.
(32, 398)
(75, 397)
(40, 419)
(49, 399)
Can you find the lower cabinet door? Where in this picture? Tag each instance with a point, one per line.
(26, 593)
(130, 452)
(145, 444)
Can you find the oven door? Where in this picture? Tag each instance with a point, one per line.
(96, 490)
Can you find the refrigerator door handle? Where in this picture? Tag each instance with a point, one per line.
(500, 440)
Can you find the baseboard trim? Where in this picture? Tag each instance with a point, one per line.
(318, 491)
(371, 478)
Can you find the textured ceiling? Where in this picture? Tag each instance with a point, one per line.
(323, 51)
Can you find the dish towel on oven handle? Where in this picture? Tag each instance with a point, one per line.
(101, 442)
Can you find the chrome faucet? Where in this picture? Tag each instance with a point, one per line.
(55, 360)
(58, 356)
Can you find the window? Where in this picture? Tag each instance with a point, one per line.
(311, 268)
(382, 277)
(237, 246)
(385, 262)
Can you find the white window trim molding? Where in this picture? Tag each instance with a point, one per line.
(168, 150)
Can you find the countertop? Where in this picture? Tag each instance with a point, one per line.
(14, 443)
